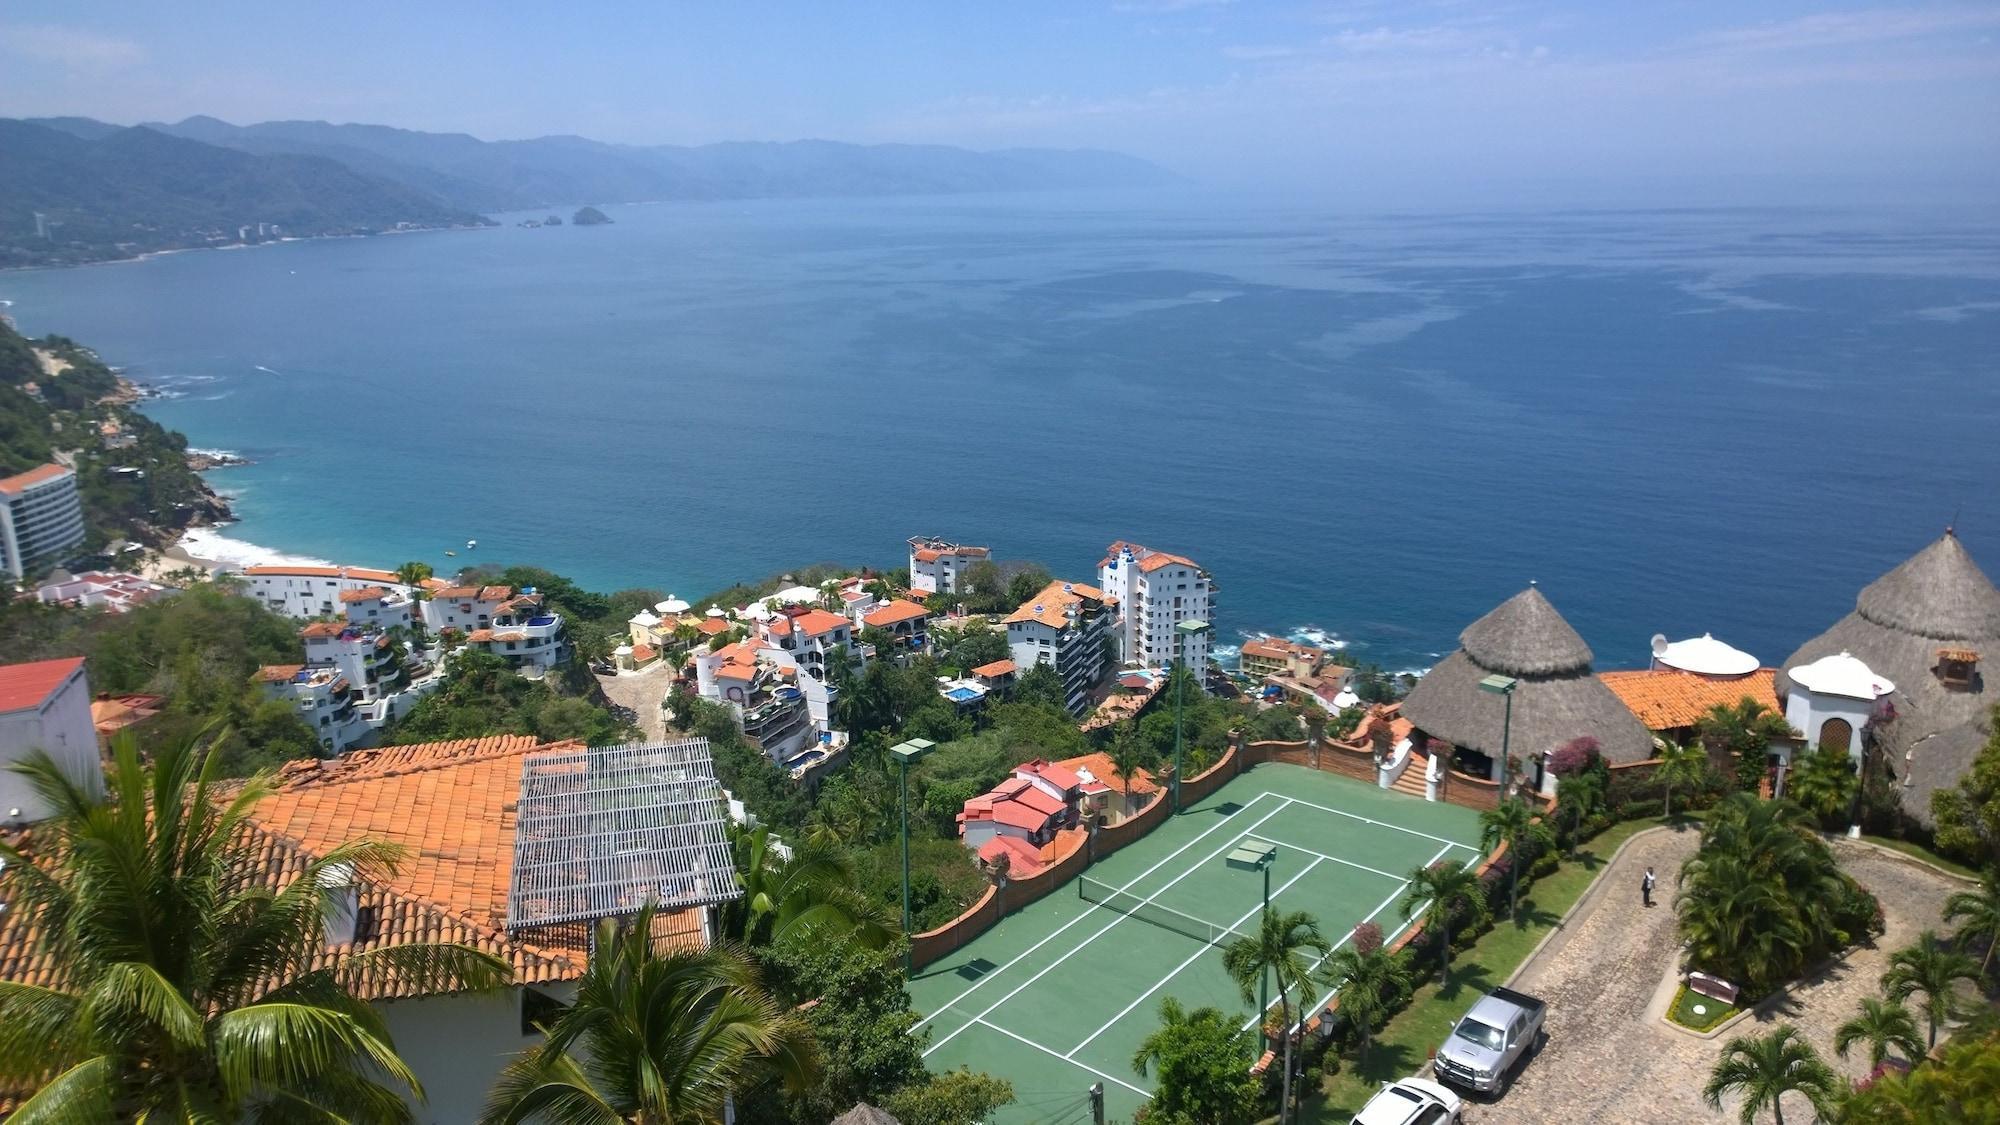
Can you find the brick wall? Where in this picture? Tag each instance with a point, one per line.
(1132, 827)
(1198, 787)
(1469, 791)
(953, 935)
(1347, 761)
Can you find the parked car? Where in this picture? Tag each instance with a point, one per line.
(1503, 1028)
(1413, 1101)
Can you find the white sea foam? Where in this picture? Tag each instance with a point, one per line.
(209, 543)
(197, 452)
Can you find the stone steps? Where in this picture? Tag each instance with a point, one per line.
(1412, 779)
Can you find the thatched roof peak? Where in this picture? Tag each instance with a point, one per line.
(1525, 636)
(1939, 592)
(865, 1114)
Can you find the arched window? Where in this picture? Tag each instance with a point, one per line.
(1836, 734)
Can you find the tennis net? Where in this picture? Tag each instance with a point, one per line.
(1146, 910)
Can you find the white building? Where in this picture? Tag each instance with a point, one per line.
(325, 699)
(44, 705)
(306, 592)
(768, 697)
(1064, 627)
(389, 607)
(98, 589)
(1156, 592)
(41, 518)
(1832, 700)
(520, 630)
(937, 566)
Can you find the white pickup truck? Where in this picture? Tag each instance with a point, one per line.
(1503, 1028)
(1412, 1101)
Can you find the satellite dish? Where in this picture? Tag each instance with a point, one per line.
(1659, 644)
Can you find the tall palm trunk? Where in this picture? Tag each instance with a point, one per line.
(1285, 1013)
(1514, 881)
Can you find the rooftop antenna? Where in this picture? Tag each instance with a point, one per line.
(1952, 527)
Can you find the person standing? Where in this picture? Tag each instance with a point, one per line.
(1646, 887)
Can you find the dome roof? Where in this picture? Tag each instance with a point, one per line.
(645, 619)
(1841, 674)
(1706, 656)
(671, 607)
(715, 611)
(1525, 636)
(1346, 699)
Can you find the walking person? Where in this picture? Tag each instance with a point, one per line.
(1646, 887)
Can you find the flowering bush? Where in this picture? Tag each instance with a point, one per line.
(1367, 938)
(1574, 756)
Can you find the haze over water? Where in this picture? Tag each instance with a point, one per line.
(1380, 425)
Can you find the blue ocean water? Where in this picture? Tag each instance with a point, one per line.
(1376, 425)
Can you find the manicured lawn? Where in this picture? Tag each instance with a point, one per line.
(1713, 1011)
(1923, 853)
(1401, 1047)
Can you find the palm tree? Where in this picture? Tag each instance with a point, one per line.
(1981, 911)
(1930, 968)
(1679, 765)
(1127, 758)
(1514, 822)
(413, 573)
(1745, 728)
(811, 893)
(1190, 1040)
(1882, 1024)
(1436, 891)
(1580, 793)
(654, 1038)
(1762, 897)
(1366, 984)
(1823, 783)
(1281, 948)
(182, 989)
(1764, 1068)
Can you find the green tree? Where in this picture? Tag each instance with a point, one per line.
(1680, 764)
(1578, 796)
(1763, 1069)
(1127, 759)
(654, 1037)
(1962, 1085)
(811, 894)
(955, 1097)
(1040, 684)
(1882, 1024)
(1931, 968)
(1823, 783)
(1368, 983)
(1435, 895)
(1968, 814)
(184, 992)
(1745, 728)
(1515, 823)
(1283, 950)
(983, 588)
(1026, 583)
(1199, 1057)
(413, 573)
(1978, 915)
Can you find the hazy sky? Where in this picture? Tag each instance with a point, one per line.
(1380, 98)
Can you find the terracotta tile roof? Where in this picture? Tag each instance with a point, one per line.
(367, 575)
(21, 482)
(364, 594)
(1040, 802)
(1050, 772)
(515, 636)
(479, 636)
(1048, 606)
(894, 612)
(324, 629)
(1016, 814)
(453, 593)
(926, 554)
(1099, 766)
(495, 593)
(109, 716)
(1277, 648)
(296, 571)
(451, 805)
(713, 626)
(1023, 858)
(815, 622)
(27, 685)
(278, 673)
(1147, 559)
(1669, 699)
(997, 668)
(643, 653)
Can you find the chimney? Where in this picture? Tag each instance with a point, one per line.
(343, 902)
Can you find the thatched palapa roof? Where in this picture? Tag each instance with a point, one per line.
(1937, 599)
(1557, 698)
(865, 1114)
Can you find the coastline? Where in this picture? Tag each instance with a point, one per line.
(209, 549)
(146, 255)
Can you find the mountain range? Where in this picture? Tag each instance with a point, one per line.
(114, 190)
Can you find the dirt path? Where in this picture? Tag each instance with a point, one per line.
(1610, 1059)
(642, 692)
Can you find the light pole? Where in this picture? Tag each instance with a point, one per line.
(1185, 632)
(907, 753)
(1257, 855)
(1503, 686)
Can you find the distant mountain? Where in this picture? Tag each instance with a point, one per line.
(513, 175)
(104, 191)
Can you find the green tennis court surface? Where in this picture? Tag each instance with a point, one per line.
(1060, 994)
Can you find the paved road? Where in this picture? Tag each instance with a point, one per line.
(642, 692)
(1609, 1058)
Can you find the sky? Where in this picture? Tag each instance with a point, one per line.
(1394, 99)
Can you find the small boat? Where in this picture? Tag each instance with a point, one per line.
(471, 543)
(451, 554)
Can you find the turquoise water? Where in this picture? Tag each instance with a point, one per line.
(1373, 425)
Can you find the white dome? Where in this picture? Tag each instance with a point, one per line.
(1843, 675)
(757, 611)
(1346, 699)
(671, 607)
(644, 619)
(715, 611)
(796, 595)
(1706, 656)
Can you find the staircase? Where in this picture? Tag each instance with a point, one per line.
(1412, 779)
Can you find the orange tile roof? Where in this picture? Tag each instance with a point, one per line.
(367, 575)
(511, 636)
(1100, 766)
(479, 636)
(1023, 858)
(279, 673)
(1669, 699)
(451, 805)
(495, 593)
(643, 653)
(894, 612)
(1277, 648)
(109, 716)
(713, 626)
(22, 481)
(1053, 601)
(997, 668)
(300, 571)
(1147, 559)
(815, 622)
(27, 685)
(324, 629)
(364, 594)
(926, 554)
(452, 592)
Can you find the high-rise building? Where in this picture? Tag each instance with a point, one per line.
(1156, 592)
(41, 517)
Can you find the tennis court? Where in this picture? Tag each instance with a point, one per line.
(1060, 994)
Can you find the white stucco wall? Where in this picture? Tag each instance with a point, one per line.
(60, 725)
(1808, 711)
(457, 1045)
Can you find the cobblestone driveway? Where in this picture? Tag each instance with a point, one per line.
(1608, 1057)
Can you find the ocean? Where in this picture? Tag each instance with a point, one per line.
(1372, 427)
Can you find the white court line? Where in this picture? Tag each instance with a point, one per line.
(1344, 862)
(1192, 958)
(1052, 1054)
(981, 983)
(1380, 823)
(1087, 942)
(1407, 923)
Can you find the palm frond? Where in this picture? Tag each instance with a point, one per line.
(131, 987)
(280, 1045)
(80, 1095)
(39, 1031)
